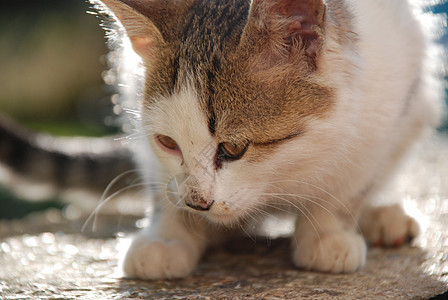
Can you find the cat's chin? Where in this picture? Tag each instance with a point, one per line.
(221, 219)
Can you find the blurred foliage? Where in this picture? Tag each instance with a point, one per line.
(12, 207)
(51, 58)
(444, 126)
(442, 8)
(70, 127)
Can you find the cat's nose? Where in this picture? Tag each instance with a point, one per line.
(200, 204)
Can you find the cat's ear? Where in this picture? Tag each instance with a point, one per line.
(143, 33)
(286, 28)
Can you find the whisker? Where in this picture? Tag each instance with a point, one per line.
(245, 232)
(105, 201)
(307, 198)
(349, 212)
(107, 190)
(114, 181)
(306, 216)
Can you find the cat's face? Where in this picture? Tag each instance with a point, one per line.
(229, 104)
(221, 175)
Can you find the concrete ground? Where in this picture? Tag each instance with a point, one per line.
(44, 256)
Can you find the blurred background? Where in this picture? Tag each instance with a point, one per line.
(53, 58)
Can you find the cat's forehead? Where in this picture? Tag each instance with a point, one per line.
(208, 31)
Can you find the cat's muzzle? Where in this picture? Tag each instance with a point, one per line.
(184, 193)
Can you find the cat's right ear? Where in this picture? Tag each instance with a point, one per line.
(144, 35)
(282, 30)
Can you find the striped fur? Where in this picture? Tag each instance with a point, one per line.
(75, 163)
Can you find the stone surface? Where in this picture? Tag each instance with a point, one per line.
(45, 256)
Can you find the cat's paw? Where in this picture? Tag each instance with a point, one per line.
(388, 226)
(335, 252)
(155, 259)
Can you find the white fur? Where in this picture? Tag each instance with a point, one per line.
(324, 175)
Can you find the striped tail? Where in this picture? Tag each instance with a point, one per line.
(64, 163)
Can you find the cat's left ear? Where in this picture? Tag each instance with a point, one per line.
(278, 29)
(145, 37)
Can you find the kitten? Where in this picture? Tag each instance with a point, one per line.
(253, 107)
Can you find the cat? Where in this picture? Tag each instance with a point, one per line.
(247, 108)
(253, 107)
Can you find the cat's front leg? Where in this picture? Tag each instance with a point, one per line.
(169, 248)
(327, 241)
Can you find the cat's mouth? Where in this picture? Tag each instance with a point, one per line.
(202, 205)
(216, 211)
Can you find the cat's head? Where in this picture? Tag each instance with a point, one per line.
(233, 96)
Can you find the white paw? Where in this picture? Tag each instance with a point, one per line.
(388, 226)
(335, 252)
(155, 259)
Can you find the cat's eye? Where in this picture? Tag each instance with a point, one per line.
(167, 142)
(231, 151)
